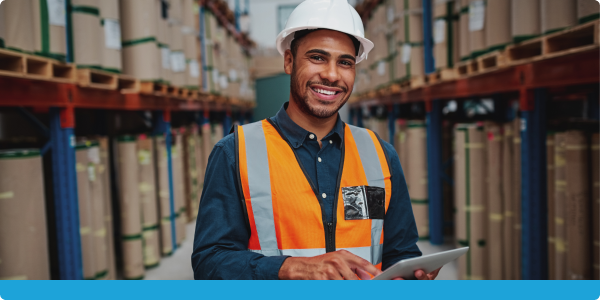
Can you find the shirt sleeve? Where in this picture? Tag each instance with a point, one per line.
(399, 228)
(221, 238)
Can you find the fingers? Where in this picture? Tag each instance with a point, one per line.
(357, 262)
(433, 275)
(421, 275)
(363, 275)
(398, 278)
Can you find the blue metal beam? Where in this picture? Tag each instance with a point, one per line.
(534, 208)
(203, 45)
(66, 206)
(226, 124)
(435, 171)
(428, 37)
(163, 126)
(38, 125)
(392, 124)
(237, 15)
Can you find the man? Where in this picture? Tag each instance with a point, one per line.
(302, 195)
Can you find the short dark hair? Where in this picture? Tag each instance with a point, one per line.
(299, 35)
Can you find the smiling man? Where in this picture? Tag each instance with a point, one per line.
(302, 195)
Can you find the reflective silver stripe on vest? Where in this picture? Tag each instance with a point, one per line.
(292, 252)
(259, 184)
(374, 173)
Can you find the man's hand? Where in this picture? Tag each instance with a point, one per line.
(421, 275)
(331, 266)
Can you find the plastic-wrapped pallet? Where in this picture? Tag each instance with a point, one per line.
(207, 145)
(164, 39)
(445, 33)
(177, 55)
(494, 199)
(191, 172)
(507, 201)
(596, 204)
(470, 194)
(378, 58)
(86, 33)
(111, 36)
(211, 73)
(164, 196)
(498, 32)
(190, 18)
(578, 220)
(414, 39)
(147, 188)
(416, 176)
(551, 208)
(525, 20)
(97, 191)
(84, 194)
(200, 168)
(49, 31)
(395, 18)
(23, 232)
(104, 176)
(178, 186)
(516, 197)
(560, 209)
(477, 23)
(130, 207)
(557, 15)
(401, 145)
(139, 29)
(17, 33)
(587, 10)
(464, 46)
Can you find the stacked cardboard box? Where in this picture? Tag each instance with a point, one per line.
(498, 32)
(507, 200)
(464, 51)
(164, 192)
(516, 199)
(104, 176)
(86, 33)
(149, 206)
(193, 170)
(525, 20)
(191, 42)
(587, 10)
(596, 203)
(445, 33)
(494, 199)
(178, 186)
(176, 46)
(551, 209)
(477, 27)
(557, 15)
(111, 36)
(416, 175)
(141, 54)
(23, 232)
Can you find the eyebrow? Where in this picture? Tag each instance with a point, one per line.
(323, 52)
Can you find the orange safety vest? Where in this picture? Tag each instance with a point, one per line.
(285, 216)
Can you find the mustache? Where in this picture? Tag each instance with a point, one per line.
(327, 84)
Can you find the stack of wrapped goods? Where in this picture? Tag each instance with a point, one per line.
(164, 194)
(516, 199)
(587, 10)
(596, 204)
(507, 200)
(176, 53)
(130, 207)
(86, 33)
(445, 33)
(190, 41)
(111, 36)
(464, 47)
(141, 56)
(557, 15)
(164, 39)
(396, 24)
(23, 231)
(206, 133)
(378, 58)
(49, 34)
(494, 199)
(412, 46)
(149, 206)
(525, 20)
(477, 16)
(470, 195)
(416, 175)
(498, 32)
(211, 73)
(550, 184)
(192, 170)
(104, 176)
(178, 186)
(221, 58)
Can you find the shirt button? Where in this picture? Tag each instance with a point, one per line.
(330, 141)
(324, 195)
(320, 160)
(312, 136)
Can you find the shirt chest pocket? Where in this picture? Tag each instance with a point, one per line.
(363, 202)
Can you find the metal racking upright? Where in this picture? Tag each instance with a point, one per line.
(533, 81)
(61, 99)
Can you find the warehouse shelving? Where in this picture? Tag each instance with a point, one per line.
(531, 80)
(61, 98)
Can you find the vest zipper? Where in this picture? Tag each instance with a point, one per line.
(330, 244)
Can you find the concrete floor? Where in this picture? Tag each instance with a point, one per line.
(179, 265)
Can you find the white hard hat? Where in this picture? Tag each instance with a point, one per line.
(335, 15)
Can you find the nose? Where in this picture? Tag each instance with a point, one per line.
(330, 72)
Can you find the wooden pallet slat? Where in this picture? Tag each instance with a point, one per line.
(12, 63)
(92, 78)
(128, 84)
(440, 75)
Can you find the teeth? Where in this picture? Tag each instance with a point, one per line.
(324, 92)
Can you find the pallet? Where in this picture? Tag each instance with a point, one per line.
(128, 84)
(173, 91)
(16, 64)
(414, 82)
(92, 78)
(442, 75)
(491, 61)
(153, 88)
(575, 39)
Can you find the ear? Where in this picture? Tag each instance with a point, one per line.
(288, 62)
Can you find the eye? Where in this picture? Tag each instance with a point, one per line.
(317, 57)
(346, 63)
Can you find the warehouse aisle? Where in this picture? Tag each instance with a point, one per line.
(179, 265)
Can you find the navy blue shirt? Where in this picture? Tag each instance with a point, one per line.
(221, 239)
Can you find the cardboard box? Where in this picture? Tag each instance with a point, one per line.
(86, 34)
(551, 209)
(525, 19)
(85, 213)
(50, 37)
(179, 186)
(416, 178)
(111, 35)
(557, 15)
(104, 175)
(596, 204)
(130, 207)
(578, 221)
(470, 194)
(478, 15)
(139, 19)
(560, 185)
(587, 10)
(494, 200)
(97, 191)
(516, 197)
(507, 201)
(149, 206)
(464, 46)
(23, 231)
(498, 32)
(17, 33)
(445, 34)
(163, 196)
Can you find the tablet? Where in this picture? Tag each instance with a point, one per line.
(406, 268)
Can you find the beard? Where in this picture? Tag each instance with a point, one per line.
(300, 98)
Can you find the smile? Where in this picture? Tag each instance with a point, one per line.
(325, 92)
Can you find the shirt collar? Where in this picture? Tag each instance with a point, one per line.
(297, 135)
